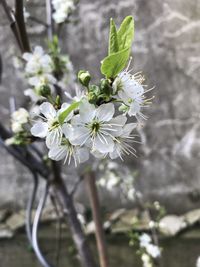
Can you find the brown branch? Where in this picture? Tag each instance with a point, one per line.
(94, 202)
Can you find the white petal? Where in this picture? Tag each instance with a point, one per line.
(103, 145)
(128, 128)
(117, 125)
(105, 112)
(81, 136)
(27, 56)
(57, 153)
(48, 110)
(82, 154)
(38, 51)
(39, 129)
(68, 130)
(35, 81)
(53, 138)
(87, 111)
(123, 96)
(114, 154)
(134, 108)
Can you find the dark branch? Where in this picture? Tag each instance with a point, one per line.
(19, 15)
(13, 24)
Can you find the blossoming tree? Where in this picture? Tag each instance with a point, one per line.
(99, 121)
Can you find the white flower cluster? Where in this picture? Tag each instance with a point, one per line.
(94, 128)
(62, 9)
(112, 177)
(152, 250)
(39, 70)
(18, 119)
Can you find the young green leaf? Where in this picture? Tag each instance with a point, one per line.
(113, 40)
(125, 33)
(62, 116)
(113, 64)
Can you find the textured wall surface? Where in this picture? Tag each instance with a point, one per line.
(167, 50)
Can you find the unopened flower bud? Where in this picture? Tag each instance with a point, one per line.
(44, 90)
(84, 77)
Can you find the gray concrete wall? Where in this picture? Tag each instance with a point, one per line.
(167, 49)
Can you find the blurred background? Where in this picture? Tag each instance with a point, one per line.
(167, 49)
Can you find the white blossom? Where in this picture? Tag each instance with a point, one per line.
(96, 127)
(62, 9)
(130, 91)
(122, 142)
(145, 240)
(153, 250)
(49, 127)
(38, 62)
(146, 260)
(18, 118)
(66, 150)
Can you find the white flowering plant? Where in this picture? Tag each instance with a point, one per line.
(96, 120)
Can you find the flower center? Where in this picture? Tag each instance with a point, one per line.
(95, 127)
(54, 124)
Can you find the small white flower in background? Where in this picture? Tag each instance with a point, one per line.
(144, 239)
(146, 242)
(146, 260)
(38, 63)
(198, 262)
(96, 127)
(153, 250)
(62, 9)
(40, 80)
(65, 150)
(130, 90)
(18, 118)
(112, 181)
(49, 127)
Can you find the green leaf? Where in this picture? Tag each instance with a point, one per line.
(113, 64)
(113, 40)
(62, 116)
(125, 33)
